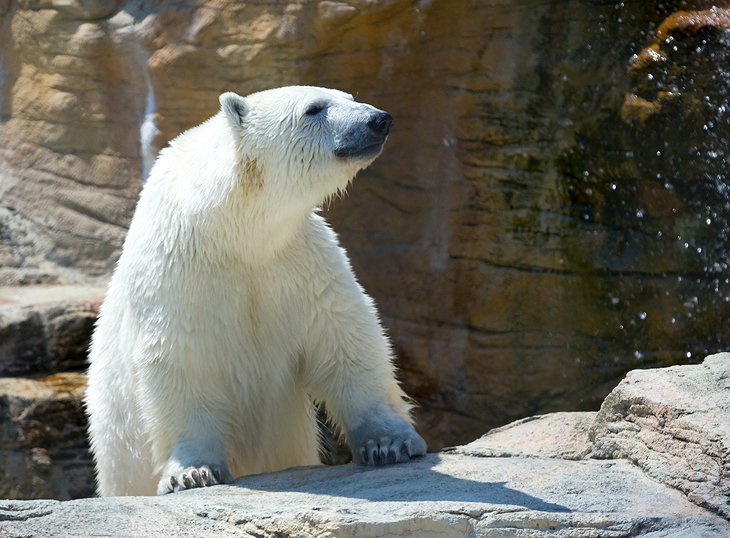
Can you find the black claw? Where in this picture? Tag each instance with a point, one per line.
(392, 458)
(216, 473)
(376, 456)
(186, 480)
(173, 481)
(195, 476)
(364, 455)
(204, 475)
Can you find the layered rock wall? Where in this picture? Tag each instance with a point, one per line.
(536, 227)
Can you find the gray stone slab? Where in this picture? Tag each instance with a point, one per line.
(674, 423)
(440, 495)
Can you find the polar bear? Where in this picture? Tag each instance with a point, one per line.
(232, 307)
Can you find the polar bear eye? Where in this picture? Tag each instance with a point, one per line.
(314, 109)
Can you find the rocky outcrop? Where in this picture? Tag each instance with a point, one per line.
(653, 461)
(537, 226)
(43, 447)
(673, 423)
(531, 478)
(44, 335)
(46, 329)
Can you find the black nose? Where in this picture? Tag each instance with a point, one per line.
(381, 122)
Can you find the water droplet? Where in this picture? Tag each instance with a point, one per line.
(613, 186)
(640, 213)
(688, 354)
(708, 221)
(642, 315)
(638, 354)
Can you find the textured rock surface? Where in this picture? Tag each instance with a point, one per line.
(674, 423)
(43, 447)
(73, 97)
(447, 495)
(537, 226)
(46, 329)
(557, 435)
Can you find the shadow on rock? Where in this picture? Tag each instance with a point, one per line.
(417, 481)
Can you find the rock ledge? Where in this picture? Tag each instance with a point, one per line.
(652, 461)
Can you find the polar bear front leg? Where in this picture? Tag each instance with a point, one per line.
(185, 435)
(360, 392)
(349, 368)
(194, 463)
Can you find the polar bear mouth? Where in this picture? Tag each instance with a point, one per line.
(369, 151)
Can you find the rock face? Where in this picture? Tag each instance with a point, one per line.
(46, 329)
(537, 226)
(43, 446)
(673, 423)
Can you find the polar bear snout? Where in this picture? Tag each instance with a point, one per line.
(380, 122)
(365, 137)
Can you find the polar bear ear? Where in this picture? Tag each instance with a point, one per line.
(234, 107)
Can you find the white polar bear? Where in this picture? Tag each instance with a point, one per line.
(233, 307)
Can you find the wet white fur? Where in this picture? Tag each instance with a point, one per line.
(233, 306)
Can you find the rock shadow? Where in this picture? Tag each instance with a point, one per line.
(416, 481)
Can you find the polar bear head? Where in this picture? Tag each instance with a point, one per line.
(304, 141)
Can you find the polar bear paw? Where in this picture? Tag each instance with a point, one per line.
(385, 450)
(193, 477)
(387, 441)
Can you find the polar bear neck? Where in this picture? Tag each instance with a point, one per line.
(221, 207)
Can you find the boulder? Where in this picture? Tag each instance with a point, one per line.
(674, 423)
